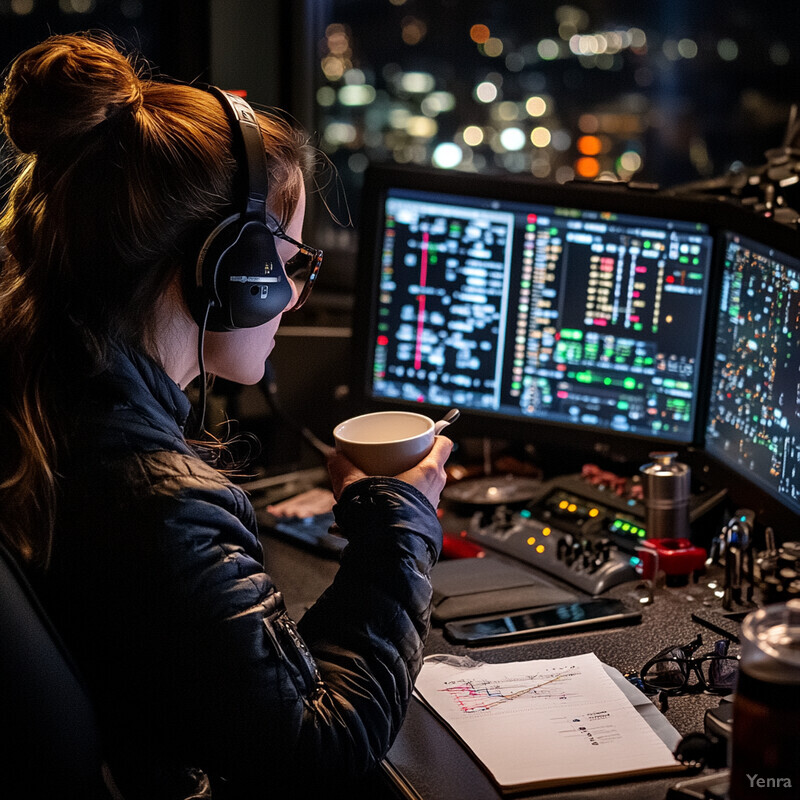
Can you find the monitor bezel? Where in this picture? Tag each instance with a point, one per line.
(567, 439)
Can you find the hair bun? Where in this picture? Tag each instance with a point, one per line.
(63, 88)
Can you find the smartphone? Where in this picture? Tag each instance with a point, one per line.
(552, 620)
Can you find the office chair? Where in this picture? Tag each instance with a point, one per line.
(46, 716)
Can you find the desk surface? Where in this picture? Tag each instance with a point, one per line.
(427, 757)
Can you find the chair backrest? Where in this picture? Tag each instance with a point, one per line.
(47, 721)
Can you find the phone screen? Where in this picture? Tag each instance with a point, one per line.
(564, 617)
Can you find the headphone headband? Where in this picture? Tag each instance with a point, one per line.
(247, 140)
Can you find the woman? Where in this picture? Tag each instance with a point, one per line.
(147, 557)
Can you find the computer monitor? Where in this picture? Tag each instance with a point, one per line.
(572, 309)
(753, 426)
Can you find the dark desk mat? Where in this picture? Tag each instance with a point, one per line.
(438, 767)
(472, 587)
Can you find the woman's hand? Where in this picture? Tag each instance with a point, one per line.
(343, 472)
(428, 476)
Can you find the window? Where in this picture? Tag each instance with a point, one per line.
(657, 92)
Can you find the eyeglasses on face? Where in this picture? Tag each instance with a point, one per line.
(671, 671)
(302, 268)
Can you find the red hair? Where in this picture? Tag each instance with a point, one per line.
(116, 174)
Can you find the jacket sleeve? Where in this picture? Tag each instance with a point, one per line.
(326, 696)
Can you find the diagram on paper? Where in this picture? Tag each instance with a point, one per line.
(543, 722)
(511, 694)
(541, 694)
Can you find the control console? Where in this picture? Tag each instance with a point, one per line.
(588, 560)
(589, 536)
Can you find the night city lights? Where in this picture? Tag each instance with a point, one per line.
(615, 94)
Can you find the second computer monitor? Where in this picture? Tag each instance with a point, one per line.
(754, 411)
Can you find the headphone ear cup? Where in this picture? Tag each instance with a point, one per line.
(241, 275)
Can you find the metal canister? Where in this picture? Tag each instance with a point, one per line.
(666, 497)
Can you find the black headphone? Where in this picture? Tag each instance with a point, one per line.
(239, 279)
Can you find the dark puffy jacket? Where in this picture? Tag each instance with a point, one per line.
(158, 587)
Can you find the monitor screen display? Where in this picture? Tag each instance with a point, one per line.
(754, 411)
(572, 313)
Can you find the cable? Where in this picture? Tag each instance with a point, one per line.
(201, 413)
(269, 387)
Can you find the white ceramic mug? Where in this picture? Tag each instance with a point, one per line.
(386, 442)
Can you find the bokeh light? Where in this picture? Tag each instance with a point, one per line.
(21, 7)
(728, 49)
(472, 135)
(587, 167)
(479, 33)
(417, 82)
(413, 30)
(447, 155)
(540, 137)
(493, 47)
(536, 106)
(531, 98)
(589, 145)
(548, 49)
(512, 139)
(486, 92)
